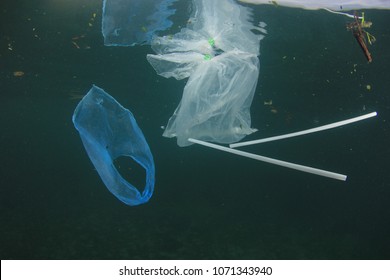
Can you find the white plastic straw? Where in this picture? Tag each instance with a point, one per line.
(307, 131)
(340, 13)
(273, 161)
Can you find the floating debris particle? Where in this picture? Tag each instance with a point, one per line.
(75, 44)
(18, 73)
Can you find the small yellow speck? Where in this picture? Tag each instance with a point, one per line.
(368, 87)
(18, 73)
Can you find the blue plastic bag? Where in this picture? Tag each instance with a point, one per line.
(108, 131)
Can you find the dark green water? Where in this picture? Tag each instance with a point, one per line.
(207, 204)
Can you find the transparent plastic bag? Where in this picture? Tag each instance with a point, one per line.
(131, 22)
(218, 52)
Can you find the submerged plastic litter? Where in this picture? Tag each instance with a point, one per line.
(109, 131)
(295, 166)
(218, 52)
(303, 132)
(336, 5)
(131, 22)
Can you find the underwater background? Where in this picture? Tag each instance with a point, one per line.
(207, 204)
